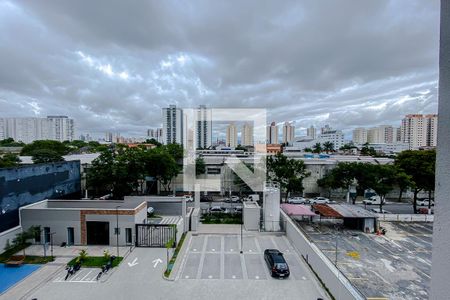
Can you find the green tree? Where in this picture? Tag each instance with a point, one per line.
(55, 146)
(403, 181)
(317, 148)
(420, 165)
(176, 151)
(382, 180)
(153, 142)
(308, 150)
(43, 156)
(342, 176)
(117, 171)
(9, 160)
(240, 147)
(368, 151)
(9, 142)
(328, 147)
(289, 173)
(160, 164)
(200, 167)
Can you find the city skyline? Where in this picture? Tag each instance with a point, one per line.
(119, 80)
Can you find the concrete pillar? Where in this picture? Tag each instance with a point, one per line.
(440, 288)
(197, 196)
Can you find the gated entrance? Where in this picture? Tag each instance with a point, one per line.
(155, 235)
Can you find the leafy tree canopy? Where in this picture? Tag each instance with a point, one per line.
(289, 173)
(9, 160)
(41, 156)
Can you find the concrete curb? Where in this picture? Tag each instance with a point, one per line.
(178, 262)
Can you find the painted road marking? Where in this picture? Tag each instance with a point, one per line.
(133, 263)
(155, 262)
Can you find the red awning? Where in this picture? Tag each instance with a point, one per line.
(297, 210)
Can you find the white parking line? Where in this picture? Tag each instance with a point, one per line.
(86, 275)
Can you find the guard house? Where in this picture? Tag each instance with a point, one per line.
(84, 222)
(354, 217)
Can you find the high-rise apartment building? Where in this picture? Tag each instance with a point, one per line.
(203, 127)
(432, 123)
(311, 132)
(247, 135)
(419, 130)
(272, 133)
(172, 125)
(359, 136)
(288, 132)
(27, 130)
(373, 135)
(231, 137)
(156, 134)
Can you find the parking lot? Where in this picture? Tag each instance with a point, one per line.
(395, 266)
(218, 257)
(84, 275)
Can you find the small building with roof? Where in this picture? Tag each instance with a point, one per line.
(353, 216)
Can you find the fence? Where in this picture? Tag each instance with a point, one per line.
(335, 281)
(405, 217)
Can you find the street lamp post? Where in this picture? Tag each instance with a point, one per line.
(242, 223)
(117, 229)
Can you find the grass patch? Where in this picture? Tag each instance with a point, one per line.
(174, 256)
(30, 259)
(11, 251)
(221, 218)
(96, 261)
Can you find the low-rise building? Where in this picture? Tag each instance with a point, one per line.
(84, 222)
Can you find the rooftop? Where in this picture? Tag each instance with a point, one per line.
(85, 204)
(351, 211)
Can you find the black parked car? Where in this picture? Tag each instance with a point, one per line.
(278, 266)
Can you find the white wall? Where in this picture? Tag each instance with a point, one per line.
(8, 236)
(59, 220)
(334, 280)
(440, 289)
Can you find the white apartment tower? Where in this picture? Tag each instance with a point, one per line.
(172, 125)
(61, 128)
(156, 134)
(311, 132)
(27, 130)
(203, 127)
(247, 135)
(272, 133)
(419, 130)
(288, 132)
(359, 136)
(232, 139)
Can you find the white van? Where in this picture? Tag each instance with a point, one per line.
(373, 200)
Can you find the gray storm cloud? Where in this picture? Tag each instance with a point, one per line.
(112, 65)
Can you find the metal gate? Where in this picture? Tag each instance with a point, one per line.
(155, 235)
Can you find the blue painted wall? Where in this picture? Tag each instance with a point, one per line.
(32, 183)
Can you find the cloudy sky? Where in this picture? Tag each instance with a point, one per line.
(112, 65)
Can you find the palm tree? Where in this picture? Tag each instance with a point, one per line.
(317, 148)
(328, 147)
